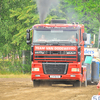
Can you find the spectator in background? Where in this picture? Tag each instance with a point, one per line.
(98, 85)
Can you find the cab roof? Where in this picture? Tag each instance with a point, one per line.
(58, 25)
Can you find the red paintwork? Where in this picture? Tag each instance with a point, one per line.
(55, 48)
(58, 25)
(72, 64)
(67, 76)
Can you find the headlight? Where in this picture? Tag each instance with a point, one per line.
(75, 70)
(35, 69)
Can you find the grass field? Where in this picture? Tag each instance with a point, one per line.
(15, 76)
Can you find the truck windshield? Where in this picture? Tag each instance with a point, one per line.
(55, 36)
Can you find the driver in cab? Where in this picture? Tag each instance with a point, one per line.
(42, 38)
(73, 38)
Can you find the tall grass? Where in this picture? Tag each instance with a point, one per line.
(15, 67)
(15, 75)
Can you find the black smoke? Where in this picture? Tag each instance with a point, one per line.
(44, 7)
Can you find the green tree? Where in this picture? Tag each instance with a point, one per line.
(26, 16)
(17, 16)
(88, 14)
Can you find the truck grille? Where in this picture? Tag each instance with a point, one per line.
(51, 56)
(55, 68)
(54, 52)
(55, 58)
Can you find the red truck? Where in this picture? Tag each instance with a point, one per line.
(57, 53)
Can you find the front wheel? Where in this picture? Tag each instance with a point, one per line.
(85, 83)
(77, 84)
(36, 83)
(45, 83)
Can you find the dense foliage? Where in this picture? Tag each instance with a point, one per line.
(18, 15)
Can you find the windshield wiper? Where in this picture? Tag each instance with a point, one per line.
(45, 43)
(68, 43)
(55, 43)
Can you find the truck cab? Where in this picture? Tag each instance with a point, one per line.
(57, 53)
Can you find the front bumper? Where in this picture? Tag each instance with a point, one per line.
(63, 77)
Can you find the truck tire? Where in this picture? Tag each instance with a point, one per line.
(77, 84)
(45, 83)
(85, 83)
(36, 83)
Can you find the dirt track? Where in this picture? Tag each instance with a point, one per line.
(22, 89)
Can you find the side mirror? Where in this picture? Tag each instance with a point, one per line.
(84, 37)
(28, 37)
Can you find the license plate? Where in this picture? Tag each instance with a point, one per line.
(55, 76)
